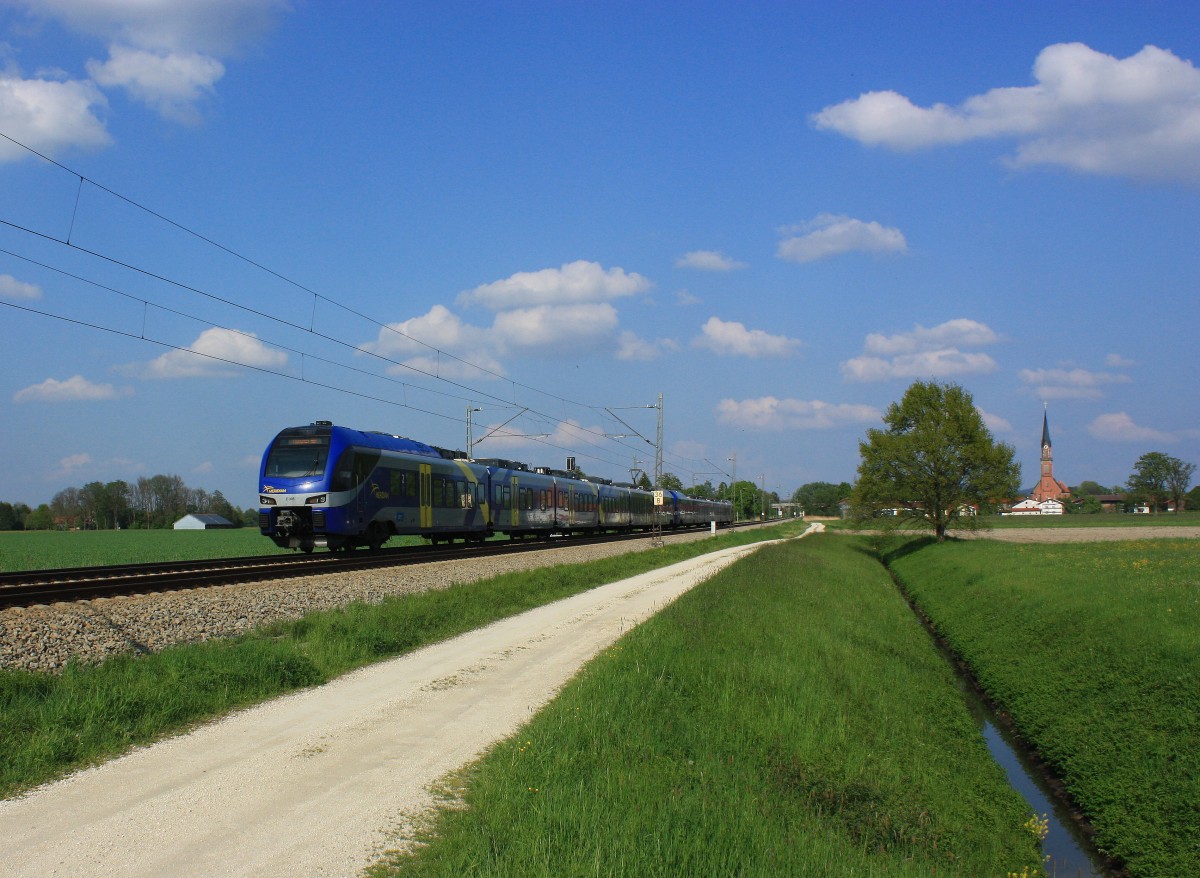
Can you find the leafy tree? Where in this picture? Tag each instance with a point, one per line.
(935, 458)
(705, 491)
(1178, 479)
(1158, 478)
(821, 498)
(669, 482)
(10, 518)
(1090, 489)
(40, 519)
(67, 508)
(746, 501)
(644, 483)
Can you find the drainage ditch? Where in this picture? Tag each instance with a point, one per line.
(1067, 846)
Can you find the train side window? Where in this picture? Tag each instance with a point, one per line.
(404, 486)
(343, 471)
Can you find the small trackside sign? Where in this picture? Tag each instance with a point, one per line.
(658, 498)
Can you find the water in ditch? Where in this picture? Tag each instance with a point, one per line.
(1069, 853)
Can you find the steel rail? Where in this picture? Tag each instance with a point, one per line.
(30, 587)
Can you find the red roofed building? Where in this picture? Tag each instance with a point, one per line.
(1048, 487)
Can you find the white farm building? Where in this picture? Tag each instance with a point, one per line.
(202, 522)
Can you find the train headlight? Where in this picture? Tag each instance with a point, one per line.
(264, 500)
(318, 500)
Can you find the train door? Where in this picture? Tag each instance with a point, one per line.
(515, 505)
(426, 498)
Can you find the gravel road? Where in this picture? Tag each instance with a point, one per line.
(322, 782)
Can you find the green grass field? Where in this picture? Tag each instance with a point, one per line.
(1094, 650)
(788, 717)
(44, 549)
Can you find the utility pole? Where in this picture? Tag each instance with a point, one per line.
(470, 433)
(733, 487)
(656, 530)
(656, 539)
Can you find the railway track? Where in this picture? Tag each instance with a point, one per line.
(31, 587)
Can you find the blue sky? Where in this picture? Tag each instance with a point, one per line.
(776, 215)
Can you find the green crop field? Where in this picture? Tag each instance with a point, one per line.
(46, 549)
(1094, 650)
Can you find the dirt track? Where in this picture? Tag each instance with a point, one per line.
(1081, 534)
(321, 782)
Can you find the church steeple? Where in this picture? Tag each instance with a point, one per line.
(1048, 487)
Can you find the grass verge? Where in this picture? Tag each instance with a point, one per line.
(1050, 522)
(50, 724)
(1092, 650)
(788, 717)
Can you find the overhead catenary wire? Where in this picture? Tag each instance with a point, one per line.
(475, 393)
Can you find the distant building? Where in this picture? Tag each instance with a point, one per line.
(202, 522)
(1030, 506)
(1048, 487)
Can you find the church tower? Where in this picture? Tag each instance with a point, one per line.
(1048, 487)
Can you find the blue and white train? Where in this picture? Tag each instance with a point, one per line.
(330, 486)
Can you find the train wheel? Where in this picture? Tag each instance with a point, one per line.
(375, 537)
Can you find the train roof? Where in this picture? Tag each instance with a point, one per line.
(366, 438)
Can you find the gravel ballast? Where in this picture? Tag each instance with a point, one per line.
(45, 638)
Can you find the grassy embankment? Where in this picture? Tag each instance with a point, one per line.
(1094, 650)
(788, 717)
(51, 724)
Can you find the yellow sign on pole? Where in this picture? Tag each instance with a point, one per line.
(658, 498)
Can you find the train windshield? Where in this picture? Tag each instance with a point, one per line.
(294, 456)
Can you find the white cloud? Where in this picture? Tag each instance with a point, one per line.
(536, 439)
(933, 352)
(927, 364)
(555, 329)
(74, 462)
(49, 116)
(203, 468)
(831, 235)
(211, 354)
(170, 83)
(578, 282)
(74, 389)
(770, 413)
(417, 341)
(1069, 383)
(960, 332)
(212, 26)
(732, 339)
(631, 347)
(1116, 361)
(1119, 427)
(11, 288)
(995, 423)
(707, 260)
(1087, 111)
(164, 52)
(684, 298)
